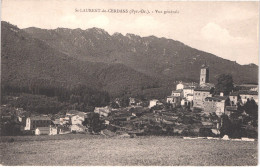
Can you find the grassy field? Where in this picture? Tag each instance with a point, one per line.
(79, 150)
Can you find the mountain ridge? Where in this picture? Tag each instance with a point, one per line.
(157, 57)
(28, 61)
(114, 63)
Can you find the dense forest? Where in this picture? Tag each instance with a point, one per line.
(51, 100)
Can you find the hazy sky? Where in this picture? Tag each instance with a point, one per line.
(226, 29)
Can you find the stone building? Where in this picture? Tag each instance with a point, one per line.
(34, 122)
(215, 104)
(199, 96)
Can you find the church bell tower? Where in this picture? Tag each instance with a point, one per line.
(204, 74)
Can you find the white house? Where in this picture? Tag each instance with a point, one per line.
(64, 121)
(153, 103)
(102, 111)
(77, 119)
(177, 93)
(77, 128)
(189, 97)
(42, 131)
(187, 91)
(53, 130)
(174, 100)
(180, 86)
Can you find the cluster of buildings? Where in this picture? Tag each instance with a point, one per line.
(202, 95)
(73, 121)
(193, 95)
(43, 125)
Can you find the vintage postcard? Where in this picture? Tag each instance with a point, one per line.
(129, 83)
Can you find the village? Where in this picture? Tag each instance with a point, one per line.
(192, 110)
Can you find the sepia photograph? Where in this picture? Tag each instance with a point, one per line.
(129, 83)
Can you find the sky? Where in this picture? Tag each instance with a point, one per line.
(227, 29)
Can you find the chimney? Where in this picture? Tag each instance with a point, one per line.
(221, 94)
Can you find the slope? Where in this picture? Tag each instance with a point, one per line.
(158, 57)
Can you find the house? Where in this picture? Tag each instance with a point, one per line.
(42, 131)
(34, 122)
(180, 86)
(174, 100)
(234, 97)
(74, 112)
(78, 119)
(153, 103)
(132, 101)
(199, 96)
(53, 130)
(249, 87)
(21, 118)
(189, 97)
(230, 110)
(183, 85)
(56, 122)
(63, 129)
(207, 85)
(215, 104)
(65, 120)
(75, 117)
(117, 101)
(185, 102)
(102, 111)
(247, 94)
(177, 93)
(77, 128)
(188, 91)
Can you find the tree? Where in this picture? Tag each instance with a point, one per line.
(227, 102)
(251, 108)
(226, 126)
(94, 122)
(224, 84)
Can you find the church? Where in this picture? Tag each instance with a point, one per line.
(193, 93)
(205, 88)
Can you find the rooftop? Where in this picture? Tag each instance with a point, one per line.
(216, 98)
(189, 87)
(43, 128)
(40, 118)
(204, 89)
(56, 121)
(248, 92)
(248, 85)
(231, 108)
(75, 112)
(234, 94)
(177, 91)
